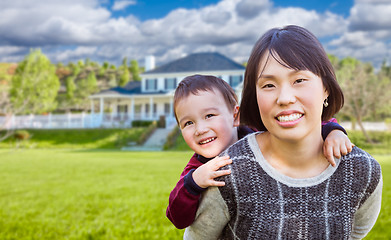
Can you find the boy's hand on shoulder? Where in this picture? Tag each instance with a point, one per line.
(205, 175)
(337, 144)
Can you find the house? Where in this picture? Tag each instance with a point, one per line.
(152, 98)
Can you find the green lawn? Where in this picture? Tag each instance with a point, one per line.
(104, 194)
(64, 194)
(109, 138)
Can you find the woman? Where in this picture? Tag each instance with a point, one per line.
(281, 186)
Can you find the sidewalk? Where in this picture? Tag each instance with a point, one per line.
(154, 143)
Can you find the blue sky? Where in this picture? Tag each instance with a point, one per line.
(109, 30)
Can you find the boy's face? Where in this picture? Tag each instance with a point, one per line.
(206, 122)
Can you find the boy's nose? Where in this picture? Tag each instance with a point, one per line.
(200, 129)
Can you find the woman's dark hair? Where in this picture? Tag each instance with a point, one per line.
(296, 48)
(196, 83)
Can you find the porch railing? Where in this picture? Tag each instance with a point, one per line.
(71, 120)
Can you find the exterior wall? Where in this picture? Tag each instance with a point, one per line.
(141, 106)
(225, 75)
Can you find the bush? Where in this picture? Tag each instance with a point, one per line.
(162, 122)
(171, 138)
(108, 138)
(21, 135)
(144, 136)
(141, 123)
(382, 141)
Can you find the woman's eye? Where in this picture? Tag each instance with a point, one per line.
(268, 85)
(187, 123)
(300, 80)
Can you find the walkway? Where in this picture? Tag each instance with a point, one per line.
(154, 143)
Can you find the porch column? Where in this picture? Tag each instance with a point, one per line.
(111, 107)
(92, 106)
(171, 108)
(151, 107)
(92, 114)
(101, 108)
(132, 109)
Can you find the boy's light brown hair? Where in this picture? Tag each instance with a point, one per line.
(196, 83)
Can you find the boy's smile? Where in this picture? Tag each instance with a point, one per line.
(206, 122)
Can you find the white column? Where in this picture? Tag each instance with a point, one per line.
(101, 108)
(171, 107)
(69, 120)
(132, 109)
(170, 118)
(92, 114)
(92, 106)
(82, 119)
(49, 120)
(151, 107)
(112, 113)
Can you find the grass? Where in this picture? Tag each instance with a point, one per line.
(68, 194)
(104, 194)
(72, 184)
(76, 138)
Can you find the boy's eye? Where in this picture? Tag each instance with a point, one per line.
(209, 116)
(187, 123)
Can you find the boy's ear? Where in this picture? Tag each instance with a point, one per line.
(236, 116)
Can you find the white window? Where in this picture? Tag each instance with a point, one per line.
(151, 84)
(235, 80)
(137, 109)
(122, 109)
(167, 108)
(169, 83)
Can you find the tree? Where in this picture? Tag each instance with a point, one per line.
(125, 62)
(124, 78)
(84, 88)
(363, 89)
(134, 70)
(5, 109)
(71, 87)
(384, 77)
(35, 84)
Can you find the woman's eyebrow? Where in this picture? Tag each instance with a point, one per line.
(271, 76)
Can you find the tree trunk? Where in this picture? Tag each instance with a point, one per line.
(369, 140)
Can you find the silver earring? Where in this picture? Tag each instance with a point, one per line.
(326, 103)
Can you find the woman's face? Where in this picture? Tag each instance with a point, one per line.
(290, 102)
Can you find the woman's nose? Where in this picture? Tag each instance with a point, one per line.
(286, 96)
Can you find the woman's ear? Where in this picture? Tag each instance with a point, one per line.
(236, 116)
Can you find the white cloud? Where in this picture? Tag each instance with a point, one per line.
(75, 54)
(230, 27)
(120, 5)
(370, 15)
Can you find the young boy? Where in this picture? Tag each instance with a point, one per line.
(206, 109)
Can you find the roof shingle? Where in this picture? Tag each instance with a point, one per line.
(198, 62)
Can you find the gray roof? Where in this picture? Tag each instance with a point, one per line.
(198, 62)
(131, 88)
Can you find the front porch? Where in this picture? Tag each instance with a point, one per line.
(122, 110)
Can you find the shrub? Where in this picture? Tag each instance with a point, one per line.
(382, 141)
(144, 136)
(21, 135)
(171, 138)
(141, 123)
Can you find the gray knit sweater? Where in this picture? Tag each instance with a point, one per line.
(258, 202)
